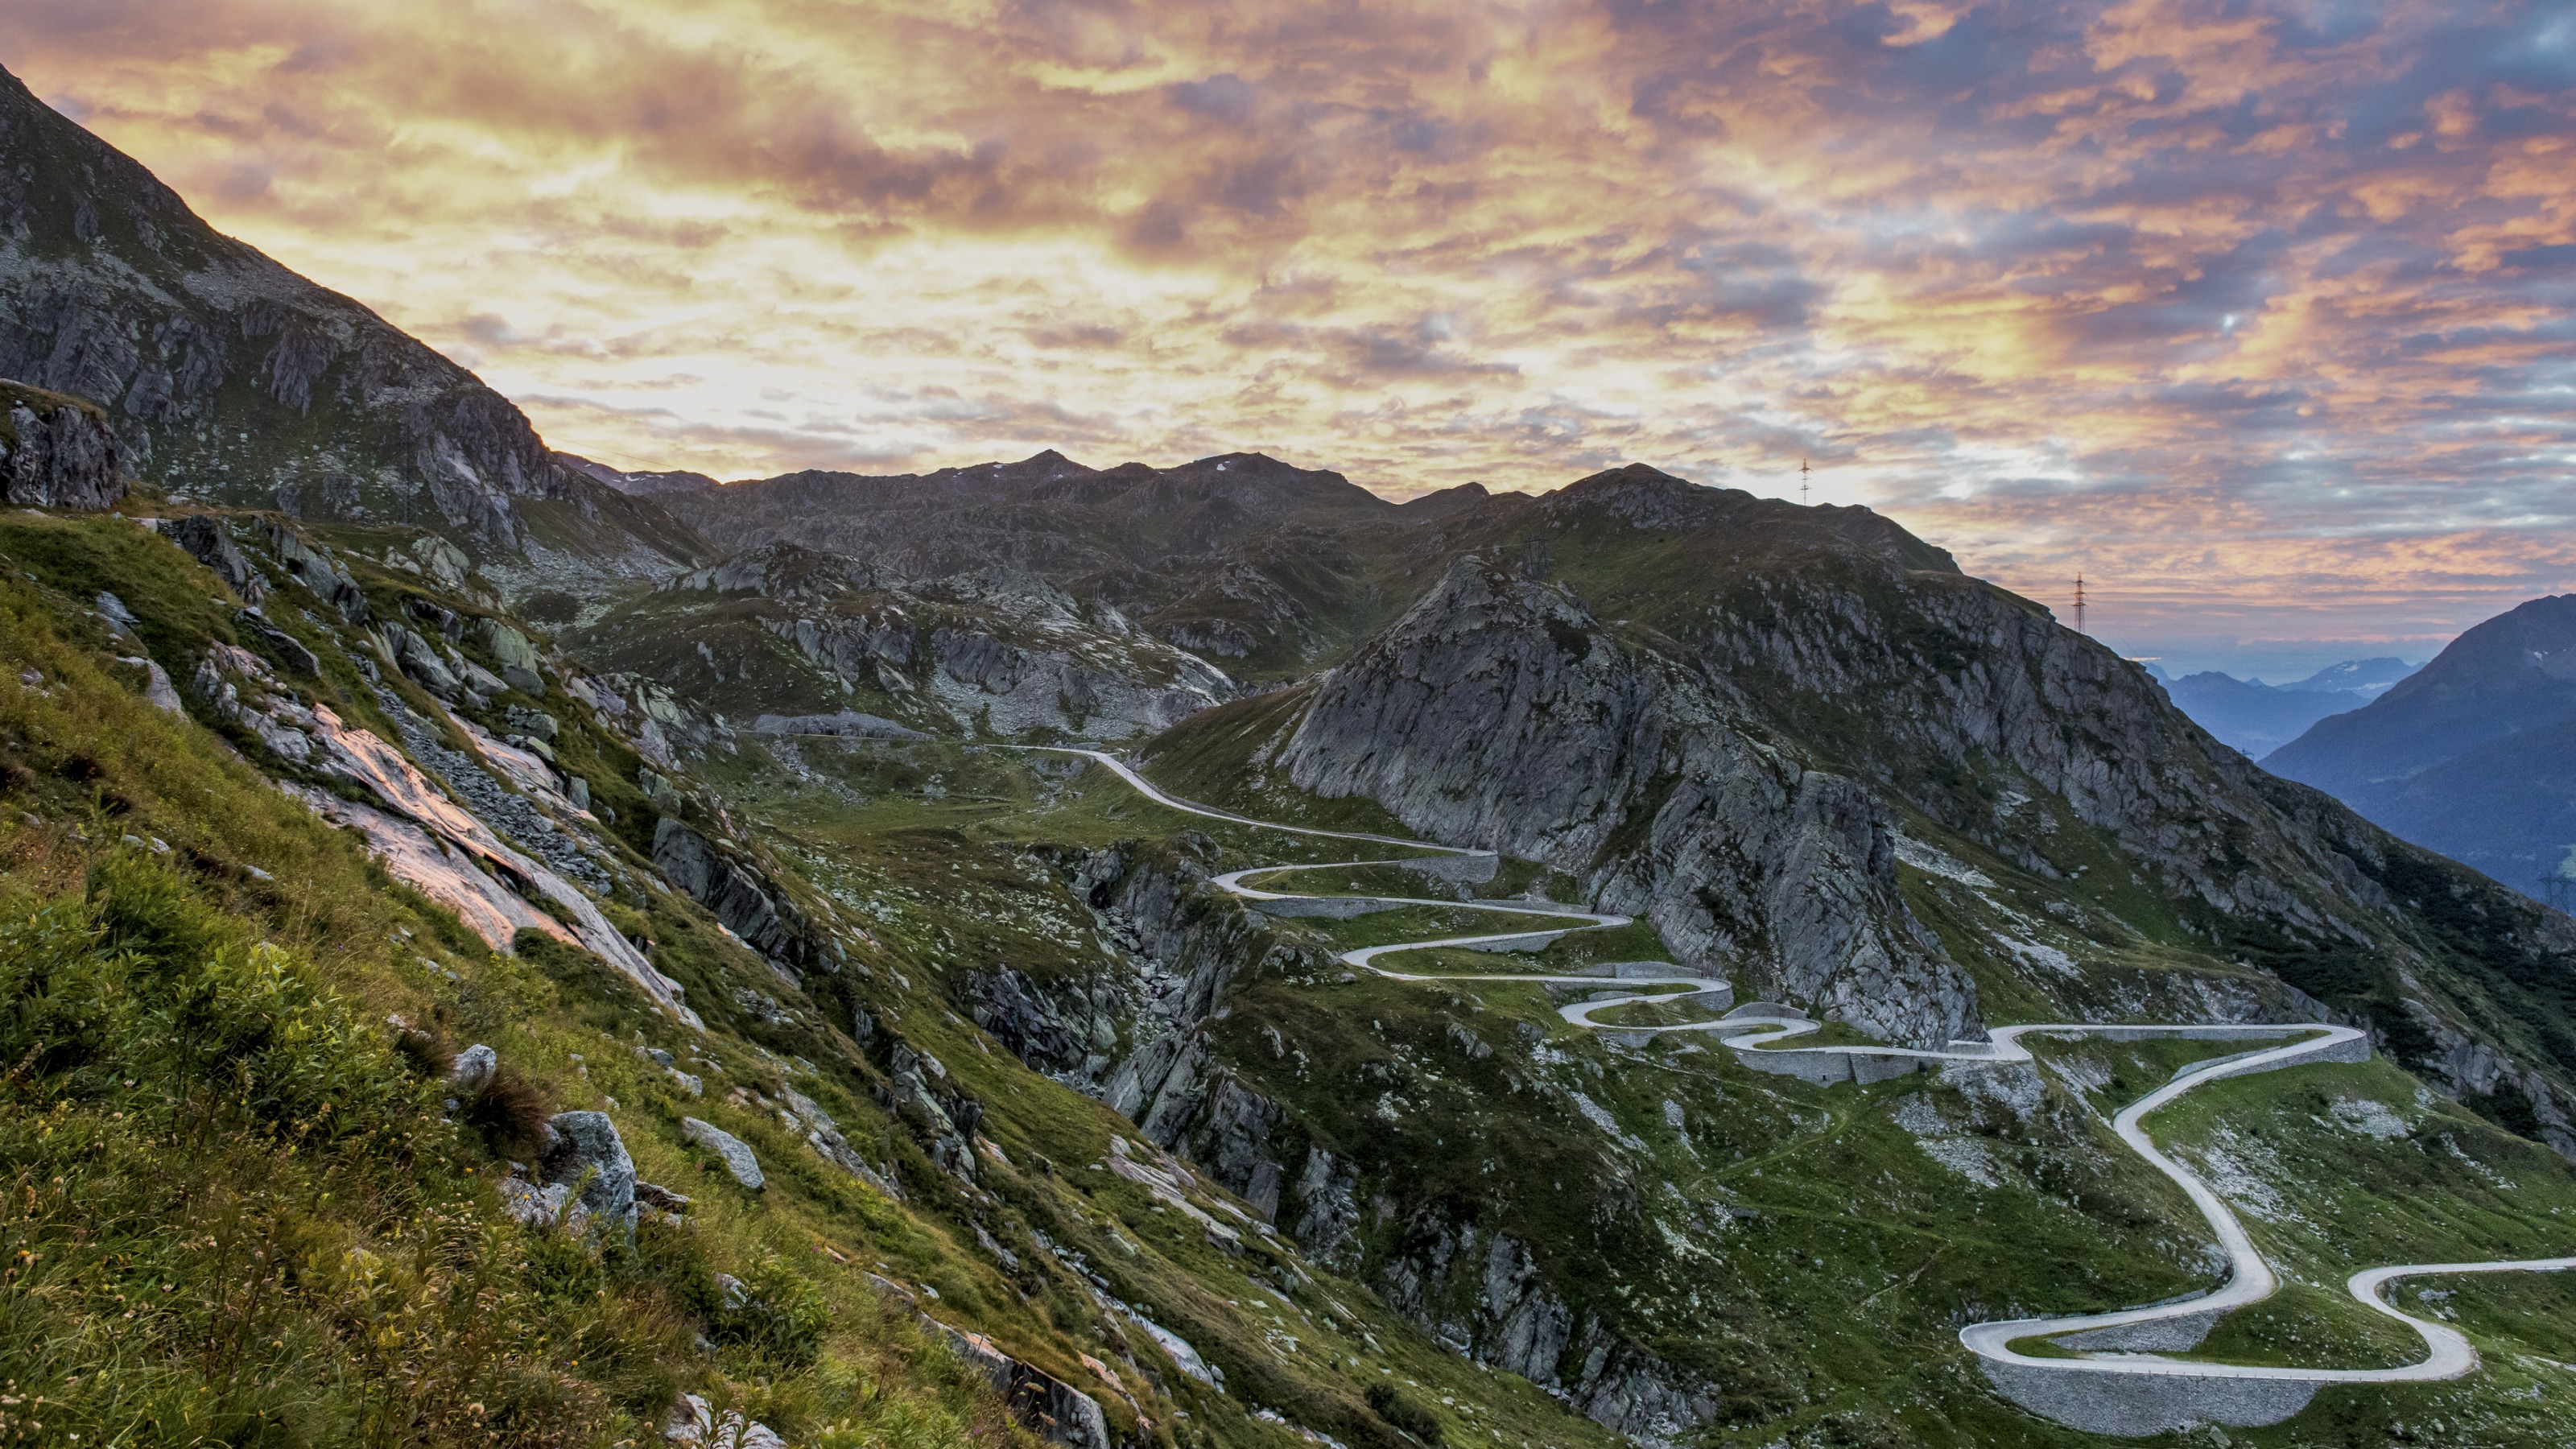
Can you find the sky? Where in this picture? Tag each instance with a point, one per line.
(2257, 314)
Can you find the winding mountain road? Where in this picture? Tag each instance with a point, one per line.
(2115, 1381)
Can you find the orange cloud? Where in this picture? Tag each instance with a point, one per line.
(2240, 307)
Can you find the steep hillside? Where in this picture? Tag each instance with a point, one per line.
(863, 1234)
(1733, 718)
(228, 378)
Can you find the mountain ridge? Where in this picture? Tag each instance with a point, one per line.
(1004, 1107)
(113, 290)
(2466, 755)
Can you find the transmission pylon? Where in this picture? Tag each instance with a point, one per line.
(1802, 482)
(2079, 602)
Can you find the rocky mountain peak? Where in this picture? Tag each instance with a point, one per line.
(112, 289)
(2514, 672)
(1500, 711)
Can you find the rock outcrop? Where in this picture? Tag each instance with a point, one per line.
(203, 537)
(739, 895)
(736, 1155)
(1055, 1410)
(588, 1157)
(1500, 712)
(57, 451)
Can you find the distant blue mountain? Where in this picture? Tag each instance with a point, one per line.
(2471, 755)
(2258, 718)
(2369, 678)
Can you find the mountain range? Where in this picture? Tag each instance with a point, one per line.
(506, 949)
(2258, 718)
(2470, 755)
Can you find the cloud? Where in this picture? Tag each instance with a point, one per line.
(2239, 305)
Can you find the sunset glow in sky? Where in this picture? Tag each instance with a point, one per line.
(2258, 313)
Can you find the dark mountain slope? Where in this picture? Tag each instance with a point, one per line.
(2512, 672)
(2252, 716)
(1265, 568)
(231, 379)
(2507, 807)
(2468, 756)
(1046, 513)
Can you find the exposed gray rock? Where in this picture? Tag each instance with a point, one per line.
(846, 724)
(417, 657)
(824, 1136)
(316, 571)
(1007, 1004)
(474, 1066)
(738, 1158)
(739, 895)
(282, 646)
(588, 1156)
(534, 1205)
(519, 662)
(204, 538)
(1498, 713)
(57, 451)
(949, 1116)
(1055, 1410)
(156, 686)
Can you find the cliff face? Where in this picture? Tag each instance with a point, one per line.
(112, 289)
(56, 451)
(1734, 719)
(1499, 711)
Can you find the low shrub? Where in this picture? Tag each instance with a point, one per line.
(1402, 1413)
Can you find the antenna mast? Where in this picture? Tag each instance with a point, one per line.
(2079, 601)
(1802, 482)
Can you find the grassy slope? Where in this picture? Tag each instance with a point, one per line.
(1833, 1216)
(233, 1210)
(611, 1337)
(949, 881)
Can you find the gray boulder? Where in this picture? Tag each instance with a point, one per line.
(474, 1066)
(589, 1157)
(420, 659)
(533, 1205)
(737, 1157)
(202, 537)
(518, 658)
